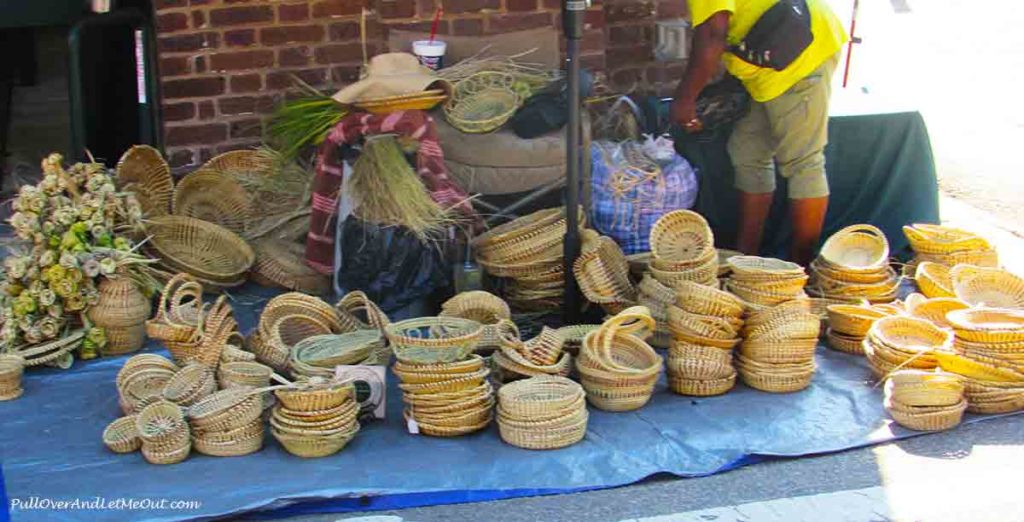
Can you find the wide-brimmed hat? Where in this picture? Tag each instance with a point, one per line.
(391, 74)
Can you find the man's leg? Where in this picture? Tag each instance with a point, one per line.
(799, 122)
(751, 151)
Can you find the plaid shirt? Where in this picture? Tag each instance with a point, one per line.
(329, 176)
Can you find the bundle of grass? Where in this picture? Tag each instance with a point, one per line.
(304, 121)
(385, 190)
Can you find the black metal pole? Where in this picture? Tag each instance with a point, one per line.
(573, 13)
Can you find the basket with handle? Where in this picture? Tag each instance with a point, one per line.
(358, 312)
(857, 248)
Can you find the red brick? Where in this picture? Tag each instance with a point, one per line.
(343, 31)
(521, 5)
(246, 105)
(193, 87)
(168, 4)
(241, 60)
(552, 4)
(631, 34)
(200, 64)
(331, 8)
(468, 26)
(293, 12)
(425, 8)
(246, 83)
(620, 56)
(388, 9)
(238, 145)
(179, 111)
(592, 41)
(187, 42)
(174, 66)
(593, 62)
(248, 128)
(170, 22)
(286, 79)
(631, 11)
(672, 9)
(181, 158)
(206, 110)
(291, 34)
(294, 56)
(196, 134)
(594, 19)
(198, 19)
(240, 15)
(420, 27)
(200, 2)
(503, 23)
(344, 74)
(339, 53)
(470, 6)
(240, 37)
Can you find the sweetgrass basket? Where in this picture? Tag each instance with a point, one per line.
(121, 436)
(434, 339)
(482, 102)
(281, 263)
(990, 287)
(857, 248)
(934, 279)
(200, 248)
(937, 239)
(143, 172)
(680, 236)
(211, 196)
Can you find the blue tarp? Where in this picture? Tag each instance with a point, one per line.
(52, 449)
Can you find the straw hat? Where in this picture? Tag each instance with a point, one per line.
(390, 74)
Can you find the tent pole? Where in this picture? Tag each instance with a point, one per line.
(573, 13)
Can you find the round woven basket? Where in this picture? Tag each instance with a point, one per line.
(121, 436)
(704, 300)
(935, 310)
(692, 361)
(161, 421)
(547, 435)
(235, 443)
(936, 239)
(775, 382)
(434, 339)
(282, 264)
(982, 258)
(142, 387)
(702, 388)
(788, 351)
(681, 236)
(143, 172)
(190, 384)
(12, 368)
(168, 453)
(202, 249)
(926, 418)
(852, 320)
(211, 196)
(243, 373)
(704, 275)
(822, 268)
(988, 325)
(845, 343)
(754, 268)
(307, 446)
(684, 323)
(225, 410)
(924, 388)
(934, 280)
(483, 102)
(857, 248)
(909, 335)
(987, 286)
(177, 314)
(316, 397)
(603, 273)
(708, 259)
(420, 101)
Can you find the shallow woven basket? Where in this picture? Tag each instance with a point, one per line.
(12, 368)
(142, 387)
(202, 249)
(313, 398)
(143, 172)
(852, 320)
(935, 310)
(161, 421)
(434, 339)
(681, 236)
(821, 267)
(190, 384)
(927, 418)
(788, 351)
(540, 398)
(211, 196)
(934, 280)
(754, 296)
(702, 388)
(251, 374)
(282, 264)
(924, 388)
(704, 300)
(754, 268)
(685, 323)
(311, 446)
(704, 275)
(121, 436)
(983, 258)
(482, 102)
(775, 383)
(988, 325)
(49, 352)
(857, 248)
(699, 362)
(706, 260)
(226, 410)
(844, 343)
(167, 454)
(910, 335)
(987, 287)
(244, 443)
(936, 239)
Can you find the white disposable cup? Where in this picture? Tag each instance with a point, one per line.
(430, 53)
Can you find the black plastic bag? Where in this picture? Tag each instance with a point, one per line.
(390, 264)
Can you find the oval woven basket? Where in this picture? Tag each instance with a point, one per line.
(483, 102)
(121, 436)
(926, 418)
(988, 325)
(754, 268)
(852, 320)
(201, 248)
(210, 196)
(704, 300)
(540, 398)
(935, 310)
(603, 273)
(934, 279)
(143, 172)
(820, 267)
(910, 335)
(936, 239)
(434, 339)
(989, 287)
(681, 236)
(857, 248)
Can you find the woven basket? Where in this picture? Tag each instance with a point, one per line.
(238, 374)
(161, 421)
(202, 249)
(313, 398)
(434, 339)
(775, 383)
(684, 323)
(225, 410)
(142, 387)
(982, 258)
(210, 196)
(540, 398)
(754, 296)
(544, 349)
(934, 280)
(935, 239)
(546, 436)
(143, 172)
(121, 436)
(754, 268)
(178, 312)
(313, 446)
(857, 248)
(845, 343)
(924, 388)
(167, 454)
(190, 384)
(572, 336)
(244, 441)
(52, 351)
(797, 326)
(821, 267)
(421, 373)
(909, 335)
(928, 418)
(702, 388)
(12, 368)
(482, 102)
(935, 310)
(603, 273)
(482, 307)
(514, 366)
(121, 311)
(698, 362)
(707, 260)
(420, 101)
(704, 300)
(975, 369)
(852, 320)
(788, 351)
(988, 325)
(509, 232)
(704, 275)
(680, 236)
(294, 303)
(655, 291)
(987, 287)
(282, 264)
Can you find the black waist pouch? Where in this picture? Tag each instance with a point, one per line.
(778, 37)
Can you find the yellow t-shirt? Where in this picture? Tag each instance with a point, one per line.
(764, 83)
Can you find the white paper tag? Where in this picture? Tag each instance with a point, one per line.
(412, 426)
(371, 387)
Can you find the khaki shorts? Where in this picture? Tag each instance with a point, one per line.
(791, 129)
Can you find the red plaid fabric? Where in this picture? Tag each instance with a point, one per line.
(328, 178)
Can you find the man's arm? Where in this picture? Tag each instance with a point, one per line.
(709, 42)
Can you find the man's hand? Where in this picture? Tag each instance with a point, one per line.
(684, 112)
(708, 45)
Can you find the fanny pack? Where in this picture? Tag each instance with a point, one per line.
(778, 37)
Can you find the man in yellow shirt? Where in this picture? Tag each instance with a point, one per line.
(788, 117)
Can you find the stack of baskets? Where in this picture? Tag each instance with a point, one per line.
(765, 282)
(777, 353)
(11, 369)
(990, 287)
(602, 272)
(482, 307)
(925, 400)
(658, 298)
(141, 381)
(444, 384)
(683, 249)
(227, 423)
(989, 355)
(705, 327)
(854, 265)
(617, 368)
(848, 326)
(315, 419)
(211, 253)
(286, 320)
(190, 384)
(528, 251)
(900, 342)
(950, 246)
(542, 355)
(543, 412)
(163, 432)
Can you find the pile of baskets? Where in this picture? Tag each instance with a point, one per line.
(141, 381)
(683, 249)
(765, 282)
(848, 326)
(950, 246)
(853, 265)
(705, 325)
(925, 400)
(11, 369)
(989, 287)
(658, 298)
(617, 368)
(529, 252)
(901, 342)
(315, 419)
(227, 423)
(482, 307)
(777, 352)
(542, 355)
(602, 272)
(543, 412)
(989, 355)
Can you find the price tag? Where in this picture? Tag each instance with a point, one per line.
(412, 426)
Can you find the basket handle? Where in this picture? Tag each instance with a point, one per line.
(169, 289)
(357, 301)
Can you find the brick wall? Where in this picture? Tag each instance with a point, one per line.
(225, 63)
